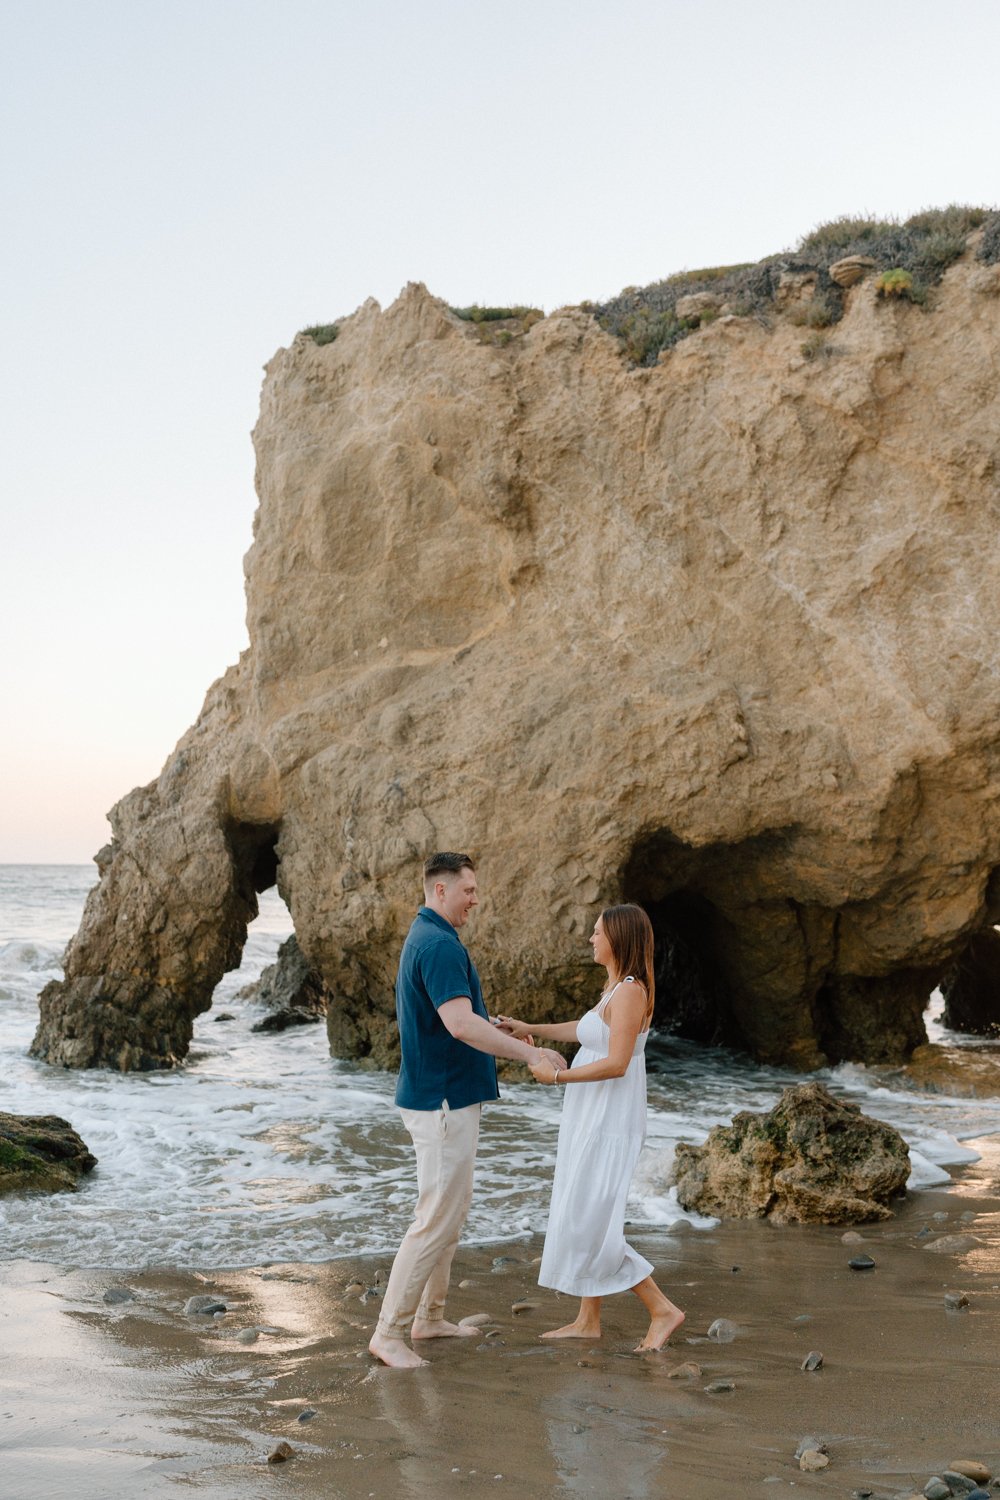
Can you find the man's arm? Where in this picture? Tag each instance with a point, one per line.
(465, 1026)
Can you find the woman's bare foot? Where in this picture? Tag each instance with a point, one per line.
(394, 1353)
(660, 1329)
(440, 1328)
(575, 1330)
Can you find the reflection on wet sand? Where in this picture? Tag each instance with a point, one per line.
(138, 1397)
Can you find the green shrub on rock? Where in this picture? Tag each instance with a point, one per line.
(322, 333)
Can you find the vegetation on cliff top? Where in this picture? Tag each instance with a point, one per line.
(923, 247)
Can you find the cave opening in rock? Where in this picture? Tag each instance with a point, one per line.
(691, 989)
(253, 849)
(694, 985)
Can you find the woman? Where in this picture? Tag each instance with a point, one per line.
(601, 1134)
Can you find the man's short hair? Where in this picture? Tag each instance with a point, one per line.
(445, 864)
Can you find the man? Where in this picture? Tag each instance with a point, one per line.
(448, 1045)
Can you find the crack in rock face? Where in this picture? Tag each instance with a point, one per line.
(718, 636)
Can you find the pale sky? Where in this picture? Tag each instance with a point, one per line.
(185, 183)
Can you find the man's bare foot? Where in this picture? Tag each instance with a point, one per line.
(394, 1353)
(440, 1328)
(660, 1329)
(575, 1331)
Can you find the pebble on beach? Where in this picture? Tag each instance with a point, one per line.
(204, 1306)
(307, 1415)
(972, 1469)
(812, 1361)
(116, 1294)
(812, 1461)
(719, 1387)
(247, 1336)
(723, 1331)
(282, 1452)
(954, 1301)
(959, 1484)
(687, 1371)
(861, 1263)
(952, 1244)
(936, 1489)
(522, 1307)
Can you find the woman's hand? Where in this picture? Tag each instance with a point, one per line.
(544, 1071)
(513, 1027)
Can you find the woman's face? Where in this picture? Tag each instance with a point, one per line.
(600, 945)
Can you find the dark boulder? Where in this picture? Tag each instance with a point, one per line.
(292, 992)
(41, 1153)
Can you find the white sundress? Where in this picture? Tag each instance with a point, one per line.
(601, 1133)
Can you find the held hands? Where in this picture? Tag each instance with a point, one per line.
(548, 1066)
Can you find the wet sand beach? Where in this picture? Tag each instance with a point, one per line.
(137, 1397)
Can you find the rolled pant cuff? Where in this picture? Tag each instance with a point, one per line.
(392, 1330)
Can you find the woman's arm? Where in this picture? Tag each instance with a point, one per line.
(564, 1031)
(626, 1022)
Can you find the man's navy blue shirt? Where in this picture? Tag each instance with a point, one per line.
(434, 967)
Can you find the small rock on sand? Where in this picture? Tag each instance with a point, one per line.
(247, 1336)
(936, 1489)
(954, 1301)
(719, 1387)
(959, 1484)
(687, 1371)
(812, 1461)
(116, 1294)
(952, 1244)
(476, 1320)
(279, 1454)
(972, 1469)
(464, 1285)
(813, 1360)
(306, 1415)
(204, 1306)
(522, 1307)
(723, 1331)
(861, 1263)
(852, 1238)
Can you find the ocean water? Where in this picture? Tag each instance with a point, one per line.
(264, 1148)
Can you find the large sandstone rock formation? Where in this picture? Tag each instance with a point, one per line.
(813, 1159)
(717, 636)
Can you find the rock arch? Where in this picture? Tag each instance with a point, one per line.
(188, 884)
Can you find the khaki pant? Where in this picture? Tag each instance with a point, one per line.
(445, 1141)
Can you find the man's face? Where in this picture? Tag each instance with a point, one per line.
(459, 896)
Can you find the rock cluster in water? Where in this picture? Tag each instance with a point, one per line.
(812, 1159)
(41, 1153)
(717, 636)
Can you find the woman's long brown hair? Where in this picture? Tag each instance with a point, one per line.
(630, 935)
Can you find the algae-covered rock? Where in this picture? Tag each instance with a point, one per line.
(41, 1153)
(811, 1159)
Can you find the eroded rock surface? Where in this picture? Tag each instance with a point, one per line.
(813, 1159)
(718, 636)
(41, 1153)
